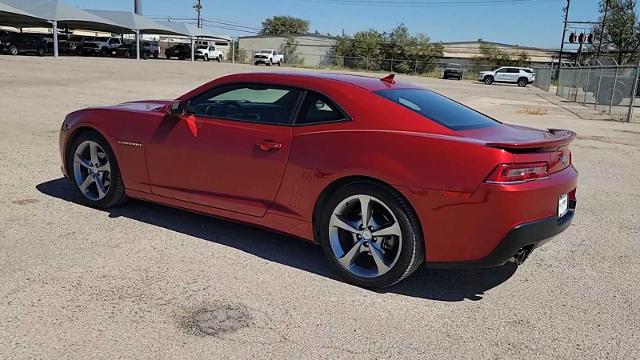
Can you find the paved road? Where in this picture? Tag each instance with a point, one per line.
(147, 281)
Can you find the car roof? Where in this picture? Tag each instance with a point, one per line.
(367, 82)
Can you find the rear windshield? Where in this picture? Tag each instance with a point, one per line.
(438, 108)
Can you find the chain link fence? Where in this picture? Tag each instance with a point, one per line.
(432, 67)
(609, 90)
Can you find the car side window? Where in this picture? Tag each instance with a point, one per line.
(514, 71)
(317, 108)
(502, 70)
(265, 104)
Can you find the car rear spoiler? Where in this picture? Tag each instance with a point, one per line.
(557, 138)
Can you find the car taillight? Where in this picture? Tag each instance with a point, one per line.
(517, 173)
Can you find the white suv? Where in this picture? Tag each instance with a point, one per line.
(508, 74)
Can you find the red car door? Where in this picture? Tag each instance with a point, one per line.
(228, 151)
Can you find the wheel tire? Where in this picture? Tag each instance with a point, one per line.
(181, 57)
(279, 62)
(411, 247)
(219, 59)
(459, 77)
(13, 50)
(145, 56)
(168, 57)
(41, 52)
(127, 54)
(256, 63)
(605, 96)
(115, 194)
(156, 55)
(522, 82)
(205, 57)
(488, 80)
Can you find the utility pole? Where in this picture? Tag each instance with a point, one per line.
(564, 32)
(601, 34)
(198, 8)
(137, 7)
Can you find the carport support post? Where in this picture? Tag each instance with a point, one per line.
(193, 50)
(54, 25)
(137, 44)
(233, 51)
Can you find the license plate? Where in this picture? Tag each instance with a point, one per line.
(563, 205)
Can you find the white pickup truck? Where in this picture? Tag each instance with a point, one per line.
(268, 57)
(208, 52)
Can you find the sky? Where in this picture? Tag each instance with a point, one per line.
(524, 22)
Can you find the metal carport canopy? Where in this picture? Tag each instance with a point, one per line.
(10, 16)
(136, 22)
(139, 24)
(59, 13)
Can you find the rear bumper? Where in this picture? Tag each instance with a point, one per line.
(529, 235)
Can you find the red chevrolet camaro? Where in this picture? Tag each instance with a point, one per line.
(385, 175)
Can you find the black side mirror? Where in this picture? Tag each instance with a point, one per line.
(176, 108)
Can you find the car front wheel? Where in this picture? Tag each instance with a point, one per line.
(93, 169)
(488, 79)
(13, 50)
(205, 57)
(371, 235)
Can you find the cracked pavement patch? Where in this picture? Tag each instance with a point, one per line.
(216, 320)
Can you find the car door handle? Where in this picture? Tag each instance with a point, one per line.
(268, 145)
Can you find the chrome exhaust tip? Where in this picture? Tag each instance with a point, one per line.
(521, 255)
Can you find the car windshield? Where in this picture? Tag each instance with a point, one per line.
(202, 48)
(454, 66)
(264, 52)
(438, 108)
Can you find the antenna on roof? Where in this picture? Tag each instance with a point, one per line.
(389, 79)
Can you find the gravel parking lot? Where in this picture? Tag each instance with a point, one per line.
(147, 281)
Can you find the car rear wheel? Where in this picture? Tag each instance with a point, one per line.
(41, 52)
(94, 170)
(522, 82)
(205, 57)
(488, 79)
(371, 235)
(13, 50)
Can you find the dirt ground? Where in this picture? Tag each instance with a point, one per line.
(147, 281)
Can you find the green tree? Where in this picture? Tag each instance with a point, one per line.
(491, 55)
(621, 28)
(377, 50)
(284, 25)
(290, 51)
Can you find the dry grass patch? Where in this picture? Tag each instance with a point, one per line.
(533, 110)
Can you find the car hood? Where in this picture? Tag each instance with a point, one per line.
(146, 105)
(507, 136)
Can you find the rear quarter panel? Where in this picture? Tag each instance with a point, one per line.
(400, 159)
